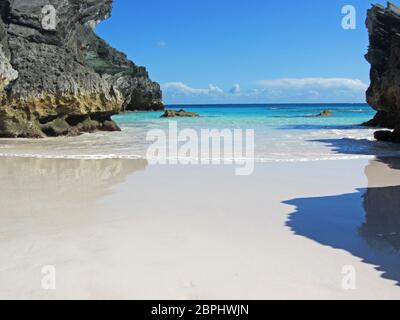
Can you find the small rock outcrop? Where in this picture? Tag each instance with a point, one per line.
(57, 77)
(180, 113)
(383, 95)
(325, 113)
(322, 114)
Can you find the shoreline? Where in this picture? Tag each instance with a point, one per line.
(280, 134)
(198, 161)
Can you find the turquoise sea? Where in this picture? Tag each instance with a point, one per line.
(276, 116)
(283, 132)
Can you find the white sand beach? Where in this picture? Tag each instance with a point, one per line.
(289, 115)
(122, 229)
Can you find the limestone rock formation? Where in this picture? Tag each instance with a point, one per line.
(179, 113)
(7, 73)
(383, 95)
(57, 77)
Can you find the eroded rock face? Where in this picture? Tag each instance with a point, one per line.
(383, 95)
(58, 77)
(7, 73)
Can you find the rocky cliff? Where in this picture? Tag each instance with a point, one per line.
(383, 95)
(57, 77)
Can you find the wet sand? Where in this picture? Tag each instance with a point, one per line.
(122, 229)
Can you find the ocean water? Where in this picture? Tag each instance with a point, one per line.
(282, 133)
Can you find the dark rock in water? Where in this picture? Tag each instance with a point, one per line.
(110, 126)
(383, 95)
(383, 120)
(57, 77)
(89, 125)
(325, 113)
(67, 127)
(56, 127)
(180, 113)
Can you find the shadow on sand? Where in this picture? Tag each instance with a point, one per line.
(362, 147)
(365, 223)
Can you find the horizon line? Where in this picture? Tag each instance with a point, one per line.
(263, 104)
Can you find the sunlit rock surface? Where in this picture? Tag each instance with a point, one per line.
(57, 77)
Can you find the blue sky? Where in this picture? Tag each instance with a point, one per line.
(245, 51)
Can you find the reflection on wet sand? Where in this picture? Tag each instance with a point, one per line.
(365, 223)
(382, 207)
(40, 193)
(382, 226)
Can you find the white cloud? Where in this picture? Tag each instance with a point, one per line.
(314, 83)
(285, 90)
(182, 88)
(236, 89)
